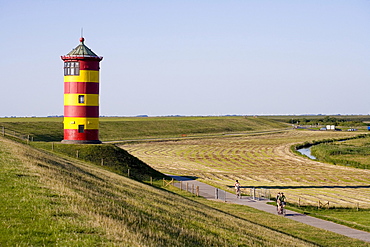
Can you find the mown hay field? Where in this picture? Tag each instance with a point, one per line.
(261, 161)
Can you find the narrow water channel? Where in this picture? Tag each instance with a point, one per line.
(307, 152)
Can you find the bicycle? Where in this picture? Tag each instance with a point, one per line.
(280, 208)
(237, 192)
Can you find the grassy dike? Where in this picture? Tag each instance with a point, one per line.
(108, 156)
(52, 199)
(112, 129)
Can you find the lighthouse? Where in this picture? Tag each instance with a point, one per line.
(81, 96)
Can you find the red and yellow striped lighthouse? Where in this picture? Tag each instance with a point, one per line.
(81, 96)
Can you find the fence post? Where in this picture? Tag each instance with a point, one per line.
(299, 202)
(102, 162)
(151, 180)
(192, 188)
(128, 172)
(3, 130)
(216, 193)
(197, 190)
(77, 154)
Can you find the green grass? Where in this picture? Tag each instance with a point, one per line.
(106, 155)
(71, 201)
(176, 127)
(40, 131)
(31, 119)
(352, 152)
(345, 121)
(351, 217)
(51, 129)
(53, 200)
(32, 214)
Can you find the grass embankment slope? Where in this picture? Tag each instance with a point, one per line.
(49, 199)
(111, 129)
(108, 156)
(116, 129)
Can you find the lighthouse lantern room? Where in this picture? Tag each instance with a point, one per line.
(81, 96)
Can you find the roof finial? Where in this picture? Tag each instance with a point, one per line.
(82, 36)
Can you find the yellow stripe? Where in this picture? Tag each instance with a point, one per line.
(89, 99)
(73, 122)
(85, 76)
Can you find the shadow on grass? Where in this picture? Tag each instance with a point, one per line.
(183, 178)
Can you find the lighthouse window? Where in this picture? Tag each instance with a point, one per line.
(71, 68)
(81, 99)
(81, 128)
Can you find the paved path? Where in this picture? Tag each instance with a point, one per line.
(209, 192)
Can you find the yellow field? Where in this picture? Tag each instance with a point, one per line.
(261, 161)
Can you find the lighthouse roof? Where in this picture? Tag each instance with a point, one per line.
(82, 50)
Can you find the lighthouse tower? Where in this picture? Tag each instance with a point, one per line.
(81, 96)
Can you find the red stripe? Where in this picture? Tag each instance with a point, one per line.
(90, 135)
(89, 65)
(81, 111)
(86, 63)
(81, 87)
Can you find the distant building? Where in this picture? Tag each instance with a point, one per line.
(81, 95)
(330, 127)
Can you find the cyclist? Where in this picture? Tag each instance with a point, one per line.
(281, 202)
(277, 201)
(282, 198)
(237, 188)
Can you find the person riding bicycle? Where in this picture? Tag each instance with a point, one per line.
(237, 188)
(277, 201)
(280, 202)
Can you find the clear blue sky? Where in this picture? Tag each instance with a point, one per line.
(196, 57)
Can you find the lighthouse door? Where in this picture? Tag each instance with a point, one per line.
(81, 128)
